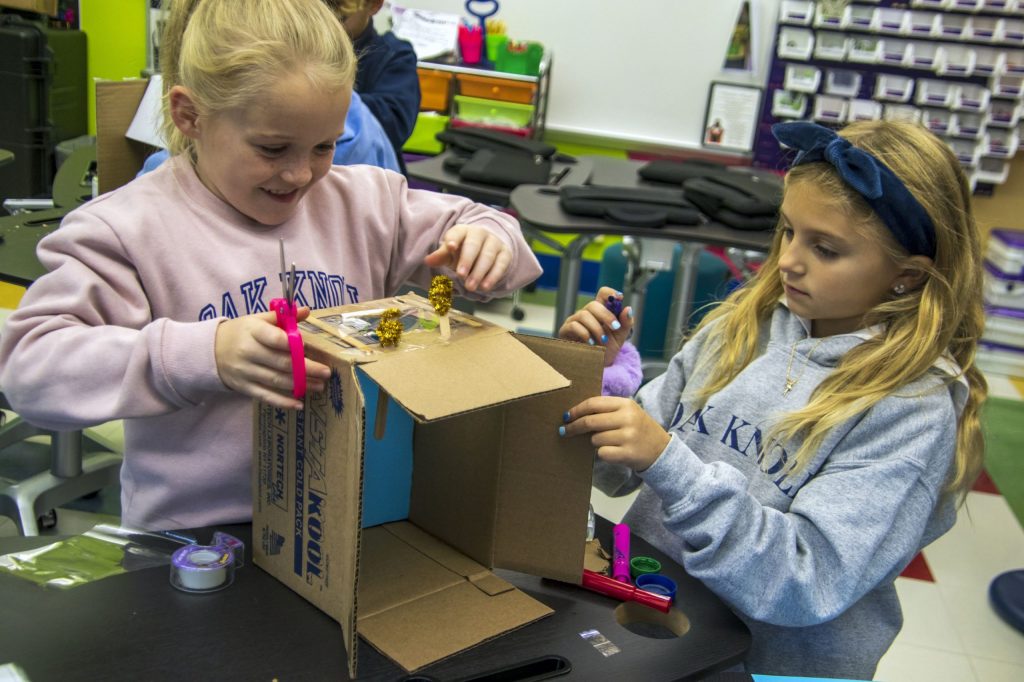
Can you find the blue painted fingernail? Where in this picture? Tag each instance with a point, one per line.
(561, 430)
(615, 325)
(604, 338)
(629, 311)
(565, 417)
(590, 341)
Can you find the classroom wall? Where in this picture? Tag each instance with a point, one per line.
(632, 70)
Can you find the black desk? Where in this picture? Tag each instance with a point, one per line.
(538, 208)
(432, 170)
(135, 626)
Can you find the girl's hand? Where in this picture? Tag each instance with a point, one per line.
(253, 358)
(478, 256)
(595, 324)
(620, 430)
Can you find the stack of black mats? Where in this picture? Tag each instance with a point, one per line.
(737, 198)
(495, 158)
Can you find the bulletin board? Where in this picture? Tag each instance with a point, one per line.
(634, 71)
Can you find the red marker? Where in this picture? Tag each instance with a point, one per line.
(611, 587)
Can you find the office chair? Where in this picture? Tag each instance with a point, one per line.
(72, 474)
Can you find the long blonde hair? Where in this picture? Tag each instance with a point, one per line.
(943, 316)
(228, 53)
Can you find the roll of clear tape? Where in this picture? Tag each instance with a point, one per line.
(206, 568)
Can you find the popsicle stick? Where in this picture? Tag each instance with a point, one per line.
(334, 331)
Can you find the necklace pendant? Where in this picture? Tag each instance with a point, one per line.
(789, 386)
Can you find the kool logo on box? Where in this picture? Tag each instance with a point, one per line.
(310, 491)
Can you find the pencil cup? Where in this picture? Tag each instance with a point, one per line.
(494, 45)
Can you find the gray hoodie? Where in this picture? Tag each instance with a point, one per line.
(806, 558)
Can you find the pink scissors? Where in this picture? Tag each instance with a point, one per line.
(287, 314)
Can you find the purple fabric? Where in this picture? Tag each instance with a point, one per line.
(622, 378)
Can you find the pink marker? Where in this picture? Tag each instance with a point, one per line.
(620, 553)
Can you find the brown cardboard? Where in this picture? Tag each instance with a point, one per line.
(493, 485)
(48, 7)
(118, 158)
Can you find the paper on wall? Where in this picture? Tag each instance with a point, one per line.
(432, 34)
(145, 127)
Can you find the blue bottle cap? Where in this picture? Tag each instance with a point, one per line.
(656, 583)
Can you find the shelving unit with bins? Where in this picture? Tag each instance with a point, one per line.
(956, 66)
(458, 95)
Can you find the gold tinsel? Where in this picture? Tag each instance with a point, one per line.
(440, 293)
(389, 329)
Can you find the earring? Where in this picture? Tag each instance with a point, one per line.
(899, 289)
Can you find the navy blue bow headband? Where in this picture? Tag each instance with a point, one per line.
(872, 179)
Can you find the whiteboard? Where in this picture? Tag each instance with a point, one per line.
(631, 70)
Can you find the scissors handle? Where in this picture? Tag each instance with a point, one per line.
(287, 313)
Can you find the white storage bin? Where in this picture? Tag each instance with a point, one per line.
(988, 29)
(830, 109)
(893, 51)
(1004, 113)
(1013, 31)
(935, 93)
(788, 104)
(825, 17)
(968, 125)
(901, 112)
(1005, 250)
(967, 151)
(1001, 288)
(922, 24)
(997, 5)
(993, 171)
(864, 110)
(795, 43)
(955, 60)
(891, 21)
(931, 4)
(1004, 326)
(859, 16)
(994, 358)
(965, 5)
(802, 78)
(796, 12)
(988, 61)
(970, 97)
(892, 88)
(1001, 143)
(843, 83)
(922, 55)
(1014, 65)
(830, 46)
(938, 121)
(953, 26)
(864, 49)
(1008, 86)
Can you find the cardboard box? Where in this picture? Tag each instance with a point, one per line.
(394, 536)
(118, 158)
(48, 7)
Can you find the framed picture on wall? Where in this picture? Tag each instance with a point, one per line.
(730, 120)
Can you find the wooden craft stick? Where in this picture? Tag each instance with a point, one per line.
(334, 331)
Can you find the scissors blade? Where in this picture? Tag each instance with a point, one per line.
(284, 272)
(291, 288)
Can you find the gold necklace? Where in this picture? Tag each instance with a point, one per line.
(791, 380)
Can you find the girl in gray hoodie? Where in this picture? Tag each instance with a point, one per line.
(819, 426)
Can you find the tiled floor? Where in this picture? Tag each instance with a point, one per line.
(950, 633)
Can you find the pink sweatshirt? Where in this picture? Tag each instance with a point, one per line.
(123, 325)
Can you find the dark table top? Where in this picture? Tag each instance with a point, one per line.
(135, 626)
(19, 235)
